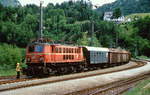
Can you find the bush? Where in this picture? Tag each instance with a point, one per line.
(10, 55)
(142, 57)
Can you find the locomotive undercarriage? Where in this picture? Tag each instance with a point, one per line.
(35, 70)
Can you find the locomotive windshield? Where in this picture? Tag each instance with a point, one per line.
(36, 48)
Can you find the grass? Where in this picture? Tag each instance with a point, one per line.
(142, 15)
(7, 72)
(142, 57)
(139, 90)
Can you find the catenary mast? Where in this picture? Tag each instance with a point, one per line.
(40, 36)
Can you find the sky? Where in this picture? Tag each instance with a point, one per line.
(37, 2)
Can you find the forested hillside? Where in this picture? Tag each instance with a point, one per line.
(13, 3)
(69, 22)
(127, 6)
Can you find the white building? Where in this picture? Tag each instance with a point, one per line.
(108, 16)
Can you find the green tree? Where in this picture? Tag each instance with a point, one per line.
(117, 13)
(10, 55)
(143, 25)
(84, 40)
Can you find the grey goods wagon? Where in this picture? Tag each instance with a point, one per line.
(97, 56)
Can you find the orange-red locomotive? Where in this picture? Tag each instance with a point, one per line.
(45, 59)
(49, 58)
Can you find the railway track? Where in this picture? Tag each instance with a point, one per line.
(35, 81)
(6, 77)
(115, 88)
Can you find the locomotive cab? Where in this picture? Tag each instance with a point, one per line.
(35, 53)
(36, 58)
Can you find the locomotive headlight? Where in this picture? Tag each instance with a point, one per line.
(41, 59)
(28, 59)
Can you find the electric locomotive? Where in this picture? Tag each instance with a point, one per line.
(45, 58)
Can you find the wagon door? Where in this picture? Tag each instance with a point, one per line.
(92, 57)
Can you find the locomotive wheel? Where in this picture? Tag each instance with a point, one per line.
(70, 69)
(65, 70)
(51, 71)
(60, 71)
(74, 69)
(80, 68)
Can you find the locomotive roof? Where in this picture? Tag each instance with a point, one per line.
(37, 43)
(96, 48)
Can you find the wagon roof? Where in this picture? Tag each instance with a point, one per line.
(118, 50)
(96, 48)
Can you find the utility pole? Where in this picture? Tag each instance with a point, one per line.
(117, 37)
(136, 48)
(92, 25)
(40, 36)
(92, 32)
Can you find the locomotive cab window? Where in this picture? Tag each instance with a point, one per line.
(38, 48)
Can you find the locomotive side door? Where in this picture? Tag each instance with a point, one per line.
(53, 54)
